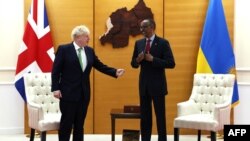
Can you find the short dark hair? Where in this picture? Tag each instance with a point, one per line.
(152, 23)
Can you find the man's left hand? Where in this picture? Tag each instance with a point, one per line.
(148, 57)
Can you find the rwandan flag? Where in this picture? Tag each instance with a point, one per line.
(216, 53)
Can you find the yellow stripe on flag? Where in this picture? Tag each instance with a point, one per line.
(202, 64)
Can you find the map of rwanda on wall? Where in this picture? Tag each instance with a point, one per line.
(123, 23)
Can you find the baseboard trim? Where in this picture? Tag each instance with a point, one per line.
(14, 130)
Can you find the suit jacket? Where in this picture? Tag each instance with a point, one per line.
(152, 76)
(68, 76)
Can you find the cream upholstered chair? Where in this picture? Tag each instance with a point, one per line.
(43, 109)
(209, 105)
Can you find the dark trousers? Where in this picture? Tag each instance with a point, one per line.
(73, 117)
(146, 117)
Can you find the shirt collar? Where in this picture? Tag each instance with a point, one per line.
(152, 37)
(76, 46)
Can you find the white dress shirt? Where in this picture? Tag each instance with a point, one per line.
(83, 56)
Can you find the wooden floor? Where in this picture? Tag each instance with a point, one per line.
(98, 137)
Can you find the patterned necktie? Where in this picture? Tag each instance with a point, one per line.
(148, 46)
(80, 56)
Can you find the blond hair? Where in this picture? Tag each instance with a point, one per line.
(79, 30)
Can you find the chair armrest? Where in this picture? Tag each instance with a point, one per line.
(186, 108)
(35, 113)
(222, 114)
(224, 105)
(32, 104)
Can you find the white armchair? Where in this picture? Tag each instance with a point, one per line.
(43, 109)
(209, 105)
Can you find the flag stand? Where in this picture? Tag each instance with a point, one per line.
(218, 136)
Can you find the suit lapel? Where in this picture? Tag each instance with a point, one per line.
(87, 52)
(154, 44)
(143, 46)
(74, 54)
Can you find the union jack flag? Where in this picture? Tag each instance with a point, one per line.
(37, 52)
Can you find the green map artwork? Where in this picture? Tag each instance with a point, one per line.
(123, 23)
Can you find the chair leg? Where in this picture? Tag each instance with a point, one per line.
(176, 134)
(43, 136)
(213, 136)
(32, 134)
(199, 135)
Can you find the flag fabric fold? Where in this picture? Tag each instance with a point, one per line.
(216, 53)
(36, 53)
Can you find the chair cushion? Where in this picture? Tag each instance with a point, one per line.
(50, 122)
(196, 121)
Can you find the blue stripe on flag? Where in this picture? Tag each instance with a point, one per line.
(46, 22)
(19, 84)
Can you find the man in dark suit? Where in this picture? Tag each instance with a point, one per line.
(71, 84)
(153, 54)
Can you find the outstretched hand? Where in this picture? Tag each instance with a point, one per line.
(120, 72)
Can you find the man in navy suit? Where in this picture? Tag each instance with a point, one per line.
(71, 84)
(153, 54)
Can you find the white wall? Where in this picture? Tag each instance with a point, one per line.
(11, 30)
(242, 52)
